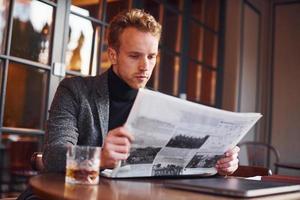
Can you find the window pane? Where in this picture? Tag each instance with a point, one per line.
(195, 41)
(16, 151)
(152, 7)
(212, 10)
(83, 44)
(177, 4)
(169, 73)
(154, 79)
(197, 9)
(1, 78)
(114, 7)
(20, 150)
(208, 86)
(194, 82)
(210, 48)
(105, 63)
(32, 31)
(87, 8)
(25, 99)
(4, 10)
(172, 25)
(201, 84)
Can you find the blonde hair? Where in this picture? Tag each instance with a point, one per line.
(133, 18)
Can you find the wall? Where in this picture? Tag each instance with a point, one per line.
(266, 82)
(285, 126)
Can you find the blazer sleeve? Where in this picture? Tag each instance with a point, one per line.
(61, 129)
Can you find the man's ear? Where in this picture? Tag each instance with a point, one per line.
(112, 55)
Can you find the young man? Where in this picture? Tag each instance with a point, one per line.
(92, 110)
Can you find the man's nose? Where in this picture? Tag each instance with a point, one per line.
(144, 64)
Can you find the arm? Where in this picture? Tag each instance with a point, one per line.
(229, 163)
(61, 127)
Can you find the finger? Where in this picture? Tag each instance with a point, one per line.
(122, 131)
(117, 140)
(227, 159)
(230, 152)
(109, 164)
(228, 164)
(227, 171)
(118, 148)
(114, 156)
(119, 156)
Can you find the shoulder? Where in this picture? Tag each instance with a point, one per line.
(83, 83)
(78, 82)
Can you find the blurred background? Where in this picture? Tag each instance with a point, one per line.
(238, 55)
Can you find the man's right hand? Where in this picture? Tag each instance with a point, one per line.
(116, 147)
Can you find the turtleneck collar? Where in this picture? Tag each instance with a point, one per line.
(119, 90)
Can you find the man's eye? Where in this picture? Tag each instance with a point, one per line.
(152, 57)
(133, 56)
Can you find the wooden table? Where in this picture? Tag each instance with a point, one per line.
(52, 186)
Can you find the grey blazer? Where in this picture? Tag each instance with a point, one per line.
(78, 115)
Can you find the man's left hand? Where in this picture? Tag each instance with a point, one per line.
(228, 164)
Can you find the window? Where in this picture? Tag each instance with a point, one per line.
(188, 62)
(32, 32)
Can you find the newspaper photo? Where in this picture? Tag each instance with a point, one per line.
(176, 137)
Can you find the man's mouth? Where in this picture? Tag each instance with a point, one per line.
(141, 77)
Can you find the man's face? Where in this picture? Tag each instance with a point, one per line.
(136, 57)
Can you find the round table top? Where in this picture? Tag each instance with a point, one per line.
(53, 186)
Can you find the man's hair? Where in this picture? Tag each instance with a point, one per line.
(135, 18)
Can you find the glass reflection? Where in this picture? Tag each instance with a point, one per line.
(1, 76)
(172, 24)
(212, 9)
(207, 12)
(169, 73)
(92, 8)
(152, 7)
(208, 86)
(195, 41)
(32, 31)
(197, 10)
(201, 84)
(83, 45)
(25, 99)
(105, 63)
(18, 150)
(116, 6)
(4, 10)
(178, 4)
(194, 82)
(210, 48)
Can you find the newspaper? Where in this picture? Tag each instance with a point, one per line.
(177, 137)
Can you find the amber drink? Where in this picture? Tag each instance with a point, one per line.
(83, 164)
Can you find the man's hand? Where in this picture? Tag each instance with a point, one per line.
(116, 147)
(228, 164)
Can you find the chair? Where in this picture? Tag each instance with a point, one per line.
(260, 154)
(36, 161)
(249, 171)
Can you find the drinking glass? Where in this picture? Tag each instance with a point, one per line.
(83, 164)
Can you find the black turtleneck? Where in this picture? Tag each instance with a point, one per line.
(121, 98)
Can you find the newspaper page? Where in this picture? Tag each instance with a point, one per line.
(177, 137)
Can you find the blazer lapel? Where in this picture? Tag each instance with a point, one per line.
(102, 103)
